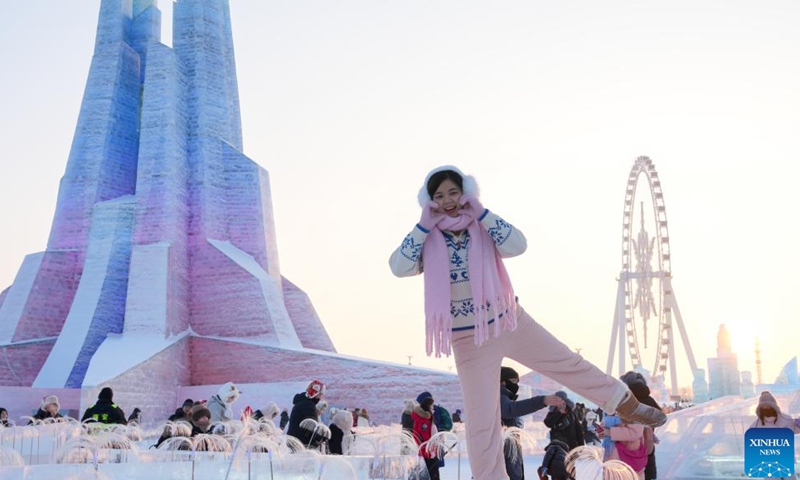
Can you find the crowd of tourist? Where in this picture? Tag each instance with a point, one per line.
(570, 424)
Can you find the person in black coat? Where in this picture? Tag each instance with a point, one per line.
(304, 408)
(49, 409)
(511, 411)
(136, 417)
(554, 462)
(342, 425)
(184, 412)
(105, 410)
(457, 416)
(638, 386)
(284, 419)
(565, 425)
(201, 420)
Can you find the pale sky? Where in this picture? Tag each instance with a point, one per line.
(349, 104)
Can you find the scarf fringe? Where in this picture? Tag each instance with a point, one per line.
(437, 334)
(508, 322)
(438, 329)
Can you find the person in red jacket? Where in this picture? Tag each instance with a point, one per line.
(424, 429)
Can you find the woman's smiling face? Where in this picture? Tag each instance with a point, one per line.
(447, 197)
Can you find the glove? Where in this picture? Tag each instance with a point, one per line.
(431, 216)
(472, 206)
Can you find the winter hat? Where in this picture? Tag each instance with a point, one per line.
(408, 405)
(271, 410)
(563, 396)
(106, 394)
(344, 420)
(322, 405)
(507, 373)
(766, 400)
(315, 389)
(422, 396)
(227, 391)
(50, 400)
(200, 411)
(470, 186)
(188, 403)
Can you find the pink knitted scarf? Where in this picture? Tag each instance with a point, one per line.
(488, 279)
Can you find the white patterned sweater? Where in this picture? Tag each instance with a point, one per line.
(406, 261)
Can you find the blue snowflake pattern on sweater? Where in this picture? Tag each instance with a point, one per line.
(500, 231)
(410, 249)
(458, 258)
(462, 308)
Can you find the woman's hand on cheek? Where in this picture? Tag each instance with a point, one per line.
(472, 205)
(431, 216)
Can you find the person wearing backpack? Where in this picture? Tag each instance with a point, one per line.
(441, 418)
(424, 429)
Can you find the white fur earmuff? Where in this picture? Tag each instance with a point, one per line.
(470, 185)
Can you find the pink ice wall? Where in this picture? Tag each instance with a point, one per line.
(304, 317)
(49, 300)
(23, 362)
(227, 300)
(157, 385)
(353, 382)
(151, 386)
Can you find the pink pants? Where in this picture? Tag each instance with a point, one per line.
(479, 374)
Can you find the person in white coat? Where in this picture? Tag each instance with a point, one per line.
(220, 404)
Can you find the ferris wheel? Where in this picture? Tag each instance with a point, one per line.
(645, 298)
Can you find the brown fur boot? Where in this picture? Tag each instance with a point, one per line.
(631, 411)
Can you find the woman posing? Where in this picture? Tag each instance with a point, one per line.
(471, 310)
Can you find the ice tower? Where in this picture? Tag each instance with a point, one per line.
(161, 269)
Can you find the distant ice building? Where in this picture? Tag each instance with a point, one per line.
(699, 386)
(723, 371)
(161, 275)
(788, 374)
(747, 389)
(786, 381)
